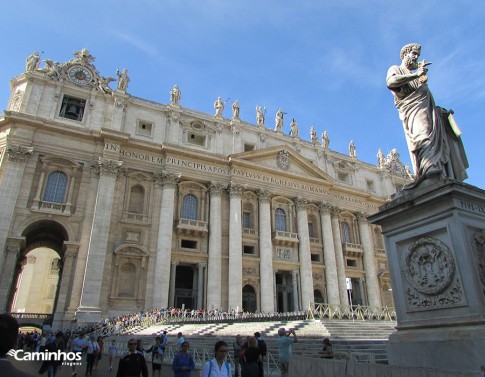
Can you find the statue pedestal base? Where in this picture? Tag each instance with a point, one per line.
(435, 242)
(87, 315)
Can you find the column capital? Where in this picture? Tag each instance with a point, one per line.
(294, 274)
(362, 218)
(325, 208)
(71, 248)
(19, 154)
(201, 265)
(107, 167)
(264, 195)
(335, 211)
(166, 179)
(14, 244)
(301, 203)
(235, 189)
(175, 263)
(216, 188)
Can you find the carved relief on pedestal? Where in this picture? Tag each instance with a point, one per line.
(283, 160)
(430, 271)
(479, 248)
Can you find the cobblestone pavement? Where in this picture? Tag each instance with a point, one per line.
(103, 369)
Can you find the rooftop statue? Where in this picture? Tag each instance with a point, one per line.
(294, 131)
(123, 79)
(313, 135)
(432, 136)
(352, 150)
(325, 140)
(32, 62)
(175, 95)
(235, 110)
(279, 120)
(219, 106)
(260, 111)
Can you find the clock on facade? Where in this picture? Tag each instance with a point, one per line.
(80, 75)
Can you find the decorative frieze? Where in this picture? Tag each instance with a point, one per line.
(479, 249)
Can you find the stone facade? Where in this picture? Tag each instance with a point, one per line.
(152, 205)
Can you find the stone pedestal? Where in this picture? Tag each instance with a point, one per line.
(435, 241)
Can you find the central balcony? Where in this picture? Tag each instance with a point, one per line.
(189, 227)
(285, 238)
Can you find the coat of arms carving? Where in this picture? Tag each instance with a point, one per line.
(283, 160)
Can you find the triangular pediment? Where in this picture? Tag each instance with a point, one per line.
(281, 159)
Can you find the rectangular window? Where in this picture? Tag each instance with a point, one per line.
(188, 244)
(370, 185)
(144, 128)
(315, 257)
(196, 139)
(248, 147)
(246, 220)
(311, 232)
(72, 108)
(344, 177)
(351, 263)
(248, 249)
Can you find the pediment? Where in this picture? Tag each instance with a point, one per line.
(283, 160)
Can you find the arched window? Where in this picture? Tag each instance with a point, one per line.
(137, 199)
(189, 207)
(127, 279)
(346, 236)
(56, 186)
(280, 219)
(318, 297)
(249, 299)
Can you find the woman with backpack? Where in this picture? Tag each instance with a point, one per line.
(252, 357)
(218, 366)
(183, 363)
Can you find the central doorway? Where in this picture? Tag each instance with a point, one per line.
(185, 292)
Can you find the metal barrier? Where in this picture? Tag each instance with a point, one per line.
(359, 312)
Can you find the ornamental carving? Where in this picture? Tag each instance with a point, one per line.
(110, 168)
(166, 180)
(235, 189)
(325, 208)
(283, 160)
(216, 188)
(19, 154)
(264, 196)
(17, 100)
(430, 271)
(301, 203)
(249, 271)
(479, 248)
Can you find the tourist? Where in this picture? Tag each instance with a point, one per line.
(263, 350)
(52, 364)
(183, 363)
(112, 350)
(157, 355)
(327, 350)
(9, 328)
(218, 366)
(252, 358)
(237, 349)
(180, 340)
(284, 348)
(92, 351)
(77, 345)
(100, 353)
(132, 363)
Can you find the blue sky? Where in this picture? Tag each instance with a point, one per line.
(323, 62)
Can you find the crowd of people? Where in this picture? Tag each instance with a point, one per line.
(249, 353)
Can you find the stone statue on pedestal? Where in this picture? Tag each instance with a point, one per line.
(433, 138)
(123, 79)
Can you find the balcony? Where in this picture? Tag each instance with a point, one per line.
(250, 233)
(189, 227)
(285, 238)
(51, 207)
(352, 249)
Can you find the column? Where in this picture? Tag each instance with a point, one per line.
(89, 310)
(339, 257)
(294, 283)
(16, 159)
(266, 273)
(200, 286)
(162, 282)
(331, 277)
(13, 247)
(235, 247)
(306, 278)
(68, 262)
(214, 265)
(275, 292)
(372, 282)
(173, 275)
(284, 284)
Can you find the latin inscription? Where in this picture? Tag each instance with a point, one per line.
(472, 207)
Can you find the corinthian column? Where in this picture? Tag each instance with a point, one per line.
(89, 310)
(266, 273)
(168, 182)
(339, 256)
(306, 277)
(331, 276)
(214, 265)
(372, 282)
(15, 161)
(235, 247)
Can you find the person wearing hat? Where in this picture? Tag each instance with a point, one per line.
(284, 348)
